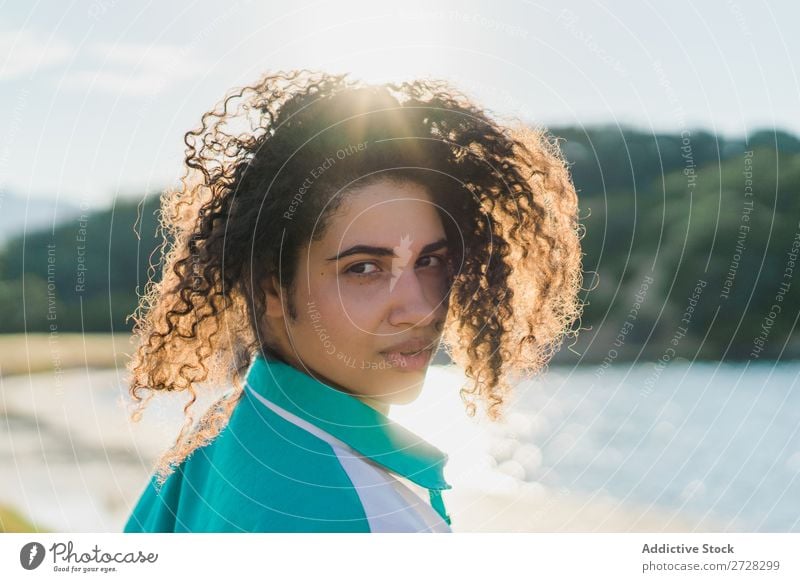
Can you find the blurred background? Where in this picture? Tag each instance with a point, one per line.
(677, 408)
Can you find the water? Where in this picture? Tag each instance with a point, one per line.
(706, 447)
(707, 440)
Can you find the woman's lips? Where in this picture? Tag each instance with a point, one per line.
(408, 363)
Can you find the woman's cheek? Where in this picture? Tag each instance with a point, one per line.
(361, 311)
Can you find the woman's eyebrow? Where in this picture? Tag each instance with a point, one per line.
(385, 252)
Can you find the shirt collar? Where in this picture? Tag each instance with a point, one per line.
(345, 417)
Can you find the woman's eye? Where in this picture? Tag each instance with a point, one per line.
(363, 269)
(437, 261)
(369, 268)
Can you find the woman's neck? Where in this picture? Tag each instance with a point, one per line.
(378, 405)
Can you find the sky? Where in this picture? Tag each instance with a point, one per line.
(97, 95)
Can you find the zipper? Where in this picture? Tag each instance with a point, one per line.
(438, 504)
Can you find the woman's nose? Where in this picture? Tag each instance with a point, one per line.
(411, 301)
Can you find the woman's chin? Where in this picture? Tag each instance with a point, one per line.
(406, 391)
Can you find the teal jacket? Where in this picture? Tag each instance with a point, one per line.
(300, 456)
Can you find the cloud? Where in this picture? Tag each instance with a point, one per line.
(135, 69)
(27, 52)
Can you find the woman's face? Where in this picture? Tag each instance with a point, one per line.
(370, 293)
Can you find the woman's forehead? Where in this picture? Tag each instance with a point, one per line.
(384, 215)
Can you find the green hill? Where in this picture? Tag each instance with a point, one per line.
(696, 214)
(83, 276)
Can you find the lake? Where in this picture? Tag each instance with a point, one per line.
(702, 447)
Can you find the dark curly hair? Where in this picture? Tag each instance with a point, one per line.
(503, 192)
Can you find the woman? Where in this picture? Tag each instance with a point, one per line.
(328, 238)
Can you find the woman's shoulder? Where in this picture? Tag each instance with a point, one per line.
(261, 473)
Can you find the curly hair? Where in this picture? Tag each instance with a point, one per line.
(503, 192)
